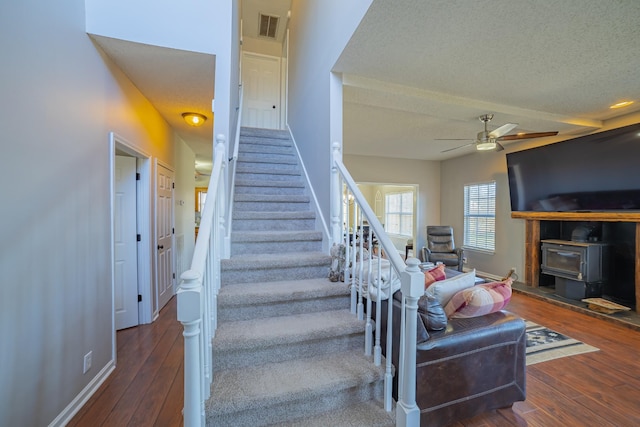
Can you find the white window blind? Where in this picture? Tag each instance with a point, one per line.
(480, 216)
(399, 213)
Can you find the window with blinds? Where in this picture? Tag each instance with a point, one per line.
(480, 216)
(399, 213)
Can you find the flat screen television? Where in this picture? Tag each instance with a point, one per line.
(598, 172)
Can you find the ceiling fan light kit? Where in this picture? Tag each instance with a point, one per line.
(486, 145)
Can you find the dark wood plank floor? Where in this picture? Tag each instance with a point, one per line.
(146, 388)
(593, 389)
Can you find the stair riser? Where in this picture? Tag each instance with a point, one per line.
(265, 170)
(282, 353)
(277, 159)
(270, 206)
(282, 139)
(273, 224)
(271, 175)
(274, 247)
(263, 148)
(284, 411)
(286, 191)
(284, 308)
(274, 274)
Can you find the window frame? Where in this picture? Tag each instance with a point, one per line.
(483, 239)
(402, 214)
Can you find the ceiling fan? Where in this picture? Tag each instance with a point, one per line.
(487, 141)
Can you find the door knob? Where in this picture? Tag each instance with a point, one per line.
(273, 107)
(160, 247)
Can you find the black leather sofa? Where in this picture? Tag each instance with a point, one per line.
(473, 366)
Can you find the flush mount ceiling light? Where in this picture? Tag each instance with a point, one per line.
(194, 119)
(621, 104)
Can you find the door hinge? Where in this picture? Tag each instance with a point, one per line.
(137, 176)
(173, 185)
(173, 230)
(139, 298)
(139, 237)
(174, 275)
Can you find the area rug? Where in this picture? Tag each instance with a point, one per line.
(544, 344)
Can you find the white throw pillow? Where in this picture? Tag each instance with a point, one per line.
(444, 290)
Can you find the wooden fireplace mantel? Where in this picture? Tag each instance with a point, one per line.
(532, 238)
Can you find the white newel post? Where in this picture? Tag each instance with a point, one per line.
(407, 412)
(336, 197)
(189, 314)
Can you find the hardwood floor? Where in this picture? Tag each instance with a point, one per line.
(146, 388)
(592, 389)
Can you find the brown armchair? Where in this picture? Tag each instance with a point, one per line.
(441, 247)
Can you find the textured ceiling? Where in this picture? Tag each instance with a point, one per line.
(420, 70)
(175, 82)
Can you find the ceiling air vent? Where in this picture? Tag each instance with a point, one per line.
(268, 26)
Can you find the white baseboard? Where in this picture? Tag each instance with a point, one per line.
(76, 404)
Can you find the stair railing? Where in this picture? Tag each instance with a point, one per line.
(232, 176)
(349, 211)
(197, 294)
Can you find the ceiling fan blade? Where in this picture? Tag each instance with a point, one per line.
(517, 136)
(502, 130)
(461, 146)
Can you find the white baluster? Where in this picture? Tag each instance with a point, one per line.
(388, 375)
(353, 258)
(360, 309)
(336, 198)
(377, 351)
(368, 329)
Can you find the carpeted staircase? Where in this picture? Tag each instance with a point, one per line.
(287, 350)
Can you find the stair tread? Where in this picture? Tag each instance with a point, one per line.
(287, 198)
(236, 390)
(282, 330)
(274, 215)
(267, 292)
(265, 170)
(275, 236)
(268, 183)
(266, 261)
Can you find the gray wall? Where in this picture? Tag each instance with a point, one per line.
(481, 167)
(60, 99)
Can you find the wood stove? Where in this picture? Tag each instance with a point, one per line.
(580, 268)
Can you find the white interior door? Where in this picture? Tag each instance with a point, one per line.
(126, 265)
(164, 233)
(261, 91)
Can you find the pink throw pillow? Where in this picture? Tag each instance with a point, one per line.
(433, 275)
(480, 299)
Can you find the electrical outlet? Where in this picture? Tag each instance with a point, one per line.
(513, 269)
(87, 362)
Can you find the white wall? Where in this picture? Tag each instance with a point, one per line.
(184, 206)
(185, 24)
(480, 167)
(424, 174)
(60, 99)
(319, 30)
